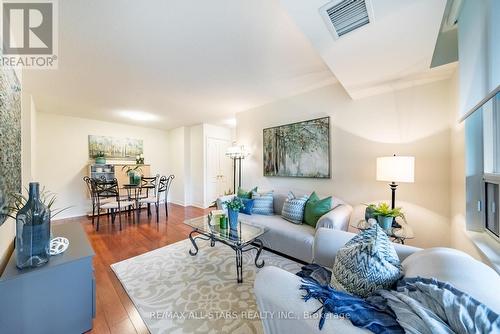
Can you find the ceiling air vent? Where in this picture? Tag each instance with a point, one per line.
(344, 16)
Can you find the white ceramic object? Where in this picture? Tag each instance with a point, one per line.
(58, 245)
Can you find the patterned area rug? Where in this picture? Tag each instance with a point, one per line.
(178, 293)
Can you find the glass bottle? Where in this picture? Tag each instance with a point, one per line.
(33, 231)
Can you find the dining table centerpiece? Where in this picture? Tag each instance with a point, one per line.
(134, 173)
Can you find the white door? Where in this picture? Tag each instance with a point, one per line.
(219, 166)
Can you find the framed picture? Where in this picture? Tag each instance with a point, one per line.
(299, 149)
(115, 148)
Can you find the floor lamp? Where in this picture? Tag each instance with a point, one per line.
(236, 153)
(396, 169)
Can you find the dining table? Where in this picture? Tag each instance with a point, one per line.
(134, 193)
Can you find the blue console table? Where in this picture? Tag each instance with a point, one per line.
(58, 297)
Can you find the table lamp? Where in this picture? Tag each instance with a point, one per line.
(396, 169)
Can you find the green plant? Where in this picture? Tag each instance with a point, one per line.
(47, 197)
(132, 169)
(383, 209)
(235, 204)
(99, 154)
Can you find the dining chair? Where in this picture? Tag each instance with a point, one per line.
(88, 182)
(161, 192)
(150, 185)
(108, 198)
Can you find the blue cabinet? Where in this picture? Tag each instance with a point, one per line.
(58, 297)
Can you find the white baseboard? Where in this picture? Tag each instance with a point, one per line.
(177, 202)
(198, 205)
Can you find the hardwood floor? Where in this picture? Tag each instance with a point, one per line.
(115, 311)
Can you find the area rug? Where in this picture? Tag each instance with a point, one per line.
(178, 293)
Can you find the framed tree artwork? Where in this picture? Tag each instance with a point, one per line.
(299, 149)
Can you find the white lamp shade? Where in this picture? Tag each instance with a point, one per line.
(396, 169)
(236, 151)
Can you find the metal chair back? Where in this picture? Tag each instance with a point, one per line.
(150, 184)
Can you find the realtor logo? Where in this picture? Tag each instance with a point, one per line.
(29, 33)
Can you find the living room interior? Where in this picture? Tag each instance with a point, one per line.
(264, 166)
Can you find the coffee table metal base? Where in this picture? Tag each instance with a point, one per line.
(239, 250)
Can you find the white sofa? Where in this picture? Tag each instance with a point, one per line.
(277, 291)
(295, 240)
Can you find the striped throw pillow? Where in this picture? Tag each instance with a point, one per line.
(366, 263)
(263, 203)
(293, 209)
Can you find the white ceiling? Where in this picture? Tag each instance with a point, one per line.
(392, 52)
(184, 61)
(191, 61)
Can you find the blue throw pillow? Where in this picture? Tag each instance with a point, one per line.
(366, 263)
(248, 203)
(293, 208)
(263, 203)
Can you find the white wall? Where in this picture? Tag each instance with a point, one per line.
(62, 155)
(188, 146)
(458, 237)
(197, 166)
(177, 164)
(414, 121)
(479, 51)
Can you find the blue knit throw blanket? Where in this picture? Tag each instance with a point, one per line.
(376, 318)
(417, 305)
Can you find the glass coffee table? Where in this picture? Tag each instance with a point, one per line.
(243, 239)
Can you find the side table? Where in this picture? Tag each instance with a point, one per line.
(397, 234)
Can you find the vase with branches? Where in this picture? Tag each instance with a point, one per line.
(134, 173)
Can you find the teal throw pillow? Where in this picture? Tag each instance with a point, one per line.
(315, 208)
(248, 206)
(242, 193)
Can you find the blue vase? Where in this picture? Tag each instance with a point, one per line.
(33, 231)
(385, 222)
(233, 219)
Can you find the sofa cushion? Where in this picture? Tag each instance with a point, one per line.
(366, 263)
(263, 203)
(248, 206)
(315, 208)
(460, 270)
(293, 209)
(242, 193)
(279, 201)
(284, 237)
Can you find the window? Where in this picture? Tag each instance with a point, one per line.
(491, 208)
(491, 163)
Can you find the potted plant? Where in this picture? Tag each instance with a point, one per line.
(385, 214)
(233, 208)
(134, 173)
(100, 158)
